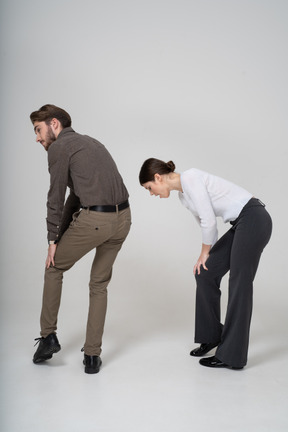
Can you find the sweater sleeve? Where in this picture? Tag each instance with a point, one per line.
(58, 165)
(71, 206)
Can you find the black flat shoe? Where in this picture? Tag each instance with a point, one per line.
(203, 349)
(92, 364)
(46, 348)
(213, 362)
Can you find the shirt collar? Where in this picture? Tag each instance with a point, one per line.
(65, 131)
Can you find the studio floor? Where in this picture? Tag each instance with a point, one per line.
(148, 382)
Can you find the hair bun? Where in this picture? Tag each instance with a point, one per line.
(171, 166)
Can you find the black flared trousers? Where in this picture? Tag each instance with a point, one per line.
(239, 251)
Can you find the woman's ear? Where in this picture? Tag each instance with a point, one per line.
(157, 177)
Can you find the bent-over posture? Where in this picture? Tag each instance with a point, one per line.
(238, 251)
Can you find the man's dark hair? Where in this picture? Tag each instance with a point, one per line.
(48, 112)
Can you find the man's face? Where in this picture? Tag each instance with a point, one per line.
(44, 134)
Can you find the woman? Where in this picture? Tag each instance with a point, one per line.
(239, 251)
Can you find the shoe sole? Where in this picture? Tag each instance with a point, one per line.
(48, 356)
(202, 353)
(222, 366)
(91, 370)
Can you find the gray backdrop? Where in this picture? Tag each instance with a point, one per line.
(203, 83)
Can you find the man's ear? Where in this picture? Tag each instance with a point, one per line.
(56, 126)
(54, 123)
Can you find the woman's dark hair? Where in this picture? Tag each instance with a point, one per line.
(154, 166)
(48, 112)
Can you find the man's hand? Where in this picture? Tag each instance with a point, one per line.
(50, 256)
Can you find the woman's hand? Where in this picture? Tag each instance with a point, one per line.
(202, 259)
(50, 256)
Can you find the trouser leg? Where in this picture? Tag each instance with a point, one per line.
(69, 250)
(208, 327)
(101, 273)
(252, 233)
(87, 231)
(50, 301)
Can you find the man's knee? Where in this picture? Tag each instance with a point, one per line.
(98, 289)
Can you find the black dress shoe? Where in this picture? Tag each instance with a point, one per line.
(216, 363)
(203, 349)
(46, 348)
(92, 364)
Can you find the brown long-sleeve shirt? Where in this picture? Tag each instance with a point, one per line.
(85, 166)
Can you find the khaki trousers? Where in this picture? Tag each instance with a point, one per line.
(88, 230)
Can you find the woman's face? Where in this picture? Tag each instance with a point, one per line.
(158, 187)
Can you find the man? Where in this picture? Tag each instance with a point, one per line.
(96, 215)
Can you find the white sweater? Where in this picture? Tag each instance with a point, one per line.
(207, 197)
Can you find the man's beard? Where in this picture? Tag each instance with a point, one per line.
(50, 137)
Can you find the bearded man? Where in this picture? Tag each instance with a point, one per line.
(96, 215)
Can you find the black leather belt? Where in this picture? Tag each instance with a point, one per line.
(109, 208)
